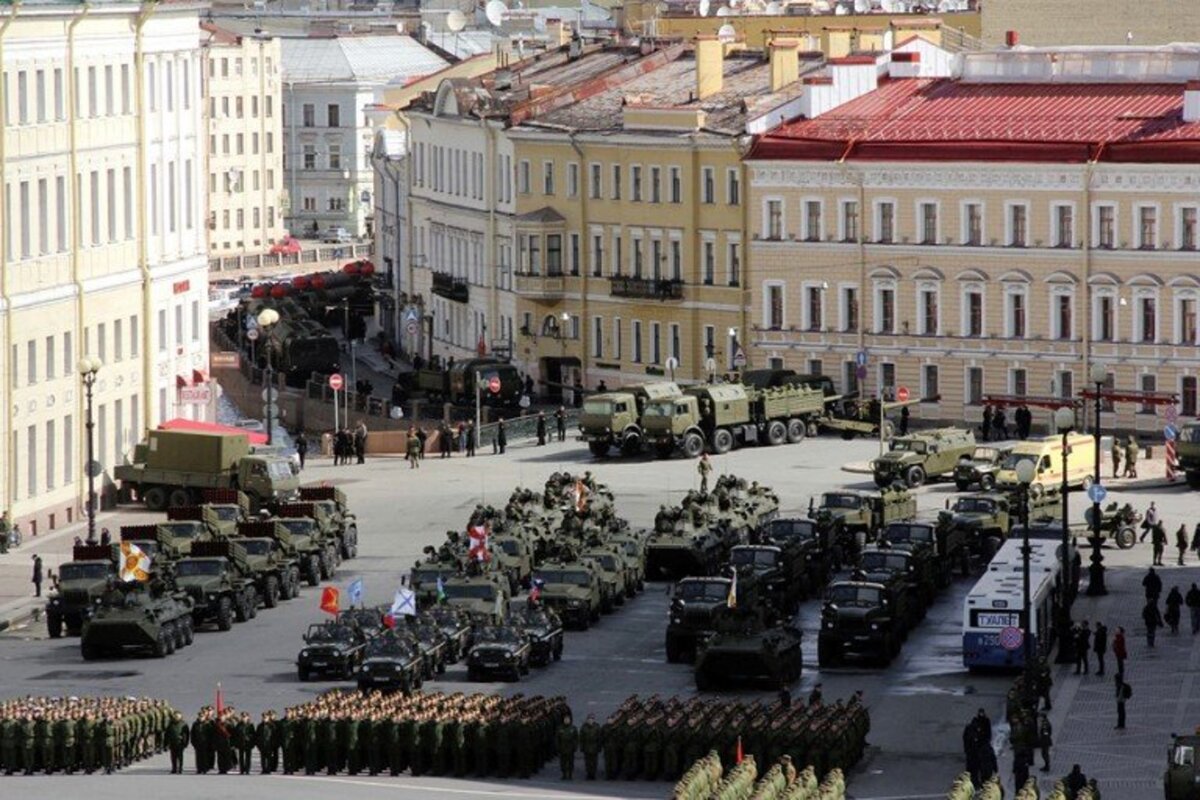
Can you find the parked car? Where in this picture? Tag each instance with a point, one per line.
(286, 246)
(337, 235)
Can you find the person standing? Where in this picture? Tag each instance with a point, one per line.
(589, 743)
(1153, 585)
(421, 437)
(37, 576)
(6, 529)
(177, 742)
(1001, 424)
(1153, 620)
(1045, 740)
(1119, 651)
(1083, 643)
(568, 742)
(1124, 692)
(1131, 457)
(1116, 459)
(985, 428)
(1174, 609)
(360, 442)
(471, 436)
(1149, 520)
(1100, 646)
(199, 742)
(705, 469)
(560, 423)
(1193, 603)
(501, 435)
(904, 421)
(462, 438)
(1181, 542)
(541, 428)
(267, 739)
(301, 447)
(412, 450)
(444, 437)
(1158, 541)
(1196, 540)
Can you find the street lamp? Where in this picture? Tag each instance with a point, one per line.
(266, 320)
(1099, 376)
(1025, 474)
(1064, 421)
(88, 366)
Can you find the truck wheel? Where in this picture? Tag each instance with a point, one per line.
(776, 433)
(54, 624)
(225, 614)
(693, 445)
(631, 446)
(915, 476)
(160, 646)
(271, 595)
(155, 498)
(168, 634)
(313, 575)
(1126, 538)
(796, 430)
(987, 482)
(599, 449)
(323, 567)
(239, 609)
(722, 441)
(179, 497)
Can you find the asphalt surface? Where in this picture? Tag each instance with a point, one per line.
(918, 705)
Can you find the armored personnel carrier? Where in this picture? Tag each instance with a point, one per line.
(138, 618)
(685, 544)
(81, 583)
(744, 650)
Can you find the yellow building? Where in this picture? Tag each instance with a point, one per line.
(245, 141)
(630, 218)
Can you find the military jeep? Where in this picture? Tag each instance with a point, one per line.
(572, 589)
(980, 468)
(917, 457)
(985, 519)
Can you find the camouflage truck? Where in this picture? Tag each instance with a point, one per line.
(572, 589)
(724, 416)
(138, 617)
(425, 575)
(512, 555)
(855, 517)
(214, 521)
(984, 518)
(610, 566)
(614, 419)
(299, 541)
(332, 501)
(945, 547)
(815, 544)
(166, 541)
(335, 534)
(82, 582)
(777, 570)
(917, 457)
(276, 574)
(487, 593)
(217, 578)
(862, 618)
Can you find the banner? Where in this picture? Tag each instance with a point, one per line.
(135, 564)
(356, 593)
(331, 600)
(478, 535)
(404, 604)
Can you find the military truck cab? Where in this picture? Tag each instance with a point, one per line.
(1187, 451)
(777, 571)
(614, 419)
(690, 617)
(81, 583)
(984, 520)
(917, 457)
(945, 547)
(859, 618)
(480, 594)
(815, 543)
(214, 577)
(908, 575)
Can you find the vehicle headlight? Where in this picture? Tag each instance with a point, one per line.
(574, 603)
(874, 626)
(305, 653)
(366, 668)
(828, 625)
(53, 601)
(676, 620)
(212, 597)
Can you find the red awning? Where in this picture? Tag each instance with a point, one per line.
(181, 424)
(180, 381)
(198, 377)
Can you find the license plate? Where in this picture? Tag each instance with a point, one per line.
(320, 664)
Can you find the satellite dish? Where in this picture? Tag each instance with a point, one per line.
(456, 21)
(727, 33)
(662, 9)
(724, 11)
(841, 10)
(774, 8)
(495, 11)
(822, 7)
(862, 6)
(888, 6)
(703, 8)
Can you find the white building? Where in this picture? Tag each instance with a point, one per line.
(390, 161)
(327, 83)
(104, 249)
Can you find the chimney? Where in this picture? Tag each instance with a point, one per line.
(785, 63)
(905, 65)
(1011, 39)
(557, 33)
(1191, 102)
(710, 67)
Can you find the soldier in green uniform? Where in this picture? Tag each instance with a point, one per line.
(567, 742)
(45, 742)
(221, 733)
(410, 745)
(348, 742)
(589, 743)
(286, 731)
(479, 742)
(502, 746)
(524, 734)
(86, 736)
(391, 745)
(631, 753)
(433, 754)
(107, 734)
(267, 739)
(241, 739)
(328, 737)
(612, 750)
(313, 741)
(651, 755)
(177, 741)
(64, 734)
(456, 746)
(8, 745)
(368, 737)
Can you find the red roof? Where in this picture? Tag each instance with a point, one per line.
(181, 424)
(941, 119)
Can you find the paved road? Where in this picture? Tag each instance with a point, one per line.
(918, 705)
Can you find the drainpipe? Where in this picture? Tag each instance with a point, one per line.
(585, 268)
(10, 485)
(291, 159)
(139, 71)
(489, 244)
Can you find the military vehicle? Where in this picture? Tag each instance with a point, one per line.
(778, 572)
(632, 545)
(545, 632)
(500, 650)
(209, 520)
(690, 618)
(368, 620)
(815, 543)
(276, 575)
(684, 550)
(743, 650)
(429, 638)
(487, 593)
(424, 579)
(165, 541)
(457, 383)
(337, 538)
(1181, 780)
(945, 546)
(1187, 452)
(917, 457)
(456, 625)
(980, 467)
(315, 548)
(217, 578)
(333, 649)
(82, 581)
(915, 581)
(1116, 523)
(610, 566)
(171, 468)
(572, 589)
(860, 617)
(725, 416)
(512, 556)
(984, 518)
(138, 617)
(391, 663)
(332, 502)
(614, 419)
(855, 517)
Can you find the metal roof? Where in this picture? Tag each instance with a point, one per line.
(357, 59)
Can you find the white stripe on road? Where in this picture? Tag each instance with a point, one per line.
(449, 790)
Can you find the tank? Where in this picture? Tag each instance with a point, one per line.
(743, 650)
(138, 618)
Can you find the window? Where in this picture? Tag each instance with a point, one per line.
(109, 94)
(1106, 323)
(812, 220)
(574, 253)
(68, 362)
(733, 186)
(26, 218)
(655, 343)
(676, 260)
(1187, 228)
(310, 156)
(656, 258)
(708, 190)
(195, 320)
(1188, 394)
(553, 253)
(849, 221)
(118, 339)
(1147, 318)
(23, 96)
(710, 261)
(31, 454)
(637, 342)
(1147, 382)
(597, 337)
(572, 180)
(927, 309)
(308, 115)
(178, 325)
(974, 394)
(1106, 234)
(102, 341)
(95, 203)
(335, 156)
(594, 186)
(635, 183)
(93, 90)
(616, 181)
(814, 297)
(31, 361)
(333, 113)
(1062, 316)
(172, 196)
(547, 177)
(40, 94)
(676, 185)
(1015, 313)
(887, 379)
(1018, 225)
(929, 223)
(1018, 382)
(774, 230)
(597, 254)
(735, 263)
(523, 178)
(886, 232)
(617, 338)
(1064, 225)
(50, 453)
(50, 365)
(60, 211)
(1066, 384)
(1186, 315)
(111, 185)
(635, 250)
(929, 383)
(1147, 227)
(973, 224)
(973, 312)
(885, 310)
(773, 307)
(60, 107)
(617, 265)
(849, 309)
(656, 184)
(162, 330)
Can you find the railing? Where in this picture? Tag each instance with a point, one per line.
(315, 255)
(540, 286)
(452, 288)
(652, 288)
(521, 428)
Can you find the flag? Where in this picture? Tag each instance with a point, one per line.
(535, 592)
(481, 346)
(331, 600)
(389, 621)
(737, 759)
(356, 593)
(220, 709)
(731, 600)
(441, 590)
(135, 564)
(581, 493)
(478, 535)
(404, 604)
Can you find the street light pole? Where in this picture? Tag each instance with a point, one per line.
(88, 367)
(1025, 474)
(1064, 420)
(1096, 587)
(266, 322)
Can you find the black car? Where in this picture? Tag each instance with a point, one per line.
(503, 650)
(690, 619)
(545, 631)
(392, 662)
(455, 624)
(331, 648)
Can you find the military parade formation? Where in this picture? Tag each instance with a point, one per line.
(707, 778)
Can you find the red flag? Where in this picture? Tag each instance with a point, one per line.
(739, 755)
(478, 535)
(330, 600)
(481, 346)
(389, 621)
(220, 710)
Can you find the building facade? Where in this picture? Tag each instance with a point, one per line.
(994, 234)
(103, 248)
(241, 77)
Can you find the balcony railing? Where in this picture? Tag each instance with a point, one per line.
(649, 288)
(543, 287)
(452, 288)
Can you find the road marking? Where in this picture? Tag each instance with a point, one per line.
(449, 790)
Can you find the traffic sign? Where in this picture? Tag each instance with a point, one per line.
(269, 394)
(1097, 493)
(739, 358)
(251, 323)
(1012, 638)
(336, 382)
(1172, 414)
(861, 358)
(411, 315)
(270, 410)
(411, 328)
(902, 394)
(1170, 432)
(252, 334)
(493, 384)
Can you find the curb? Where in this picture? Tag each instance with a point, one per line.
(23, 611)
(858, 468)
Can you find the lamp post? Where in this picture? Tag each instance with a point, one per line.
(1064, 421)
(266, 321)
(1025, 474)
(88, 367)
(1096, 587)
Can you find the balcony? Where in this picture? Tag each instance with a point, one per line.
(447, 286)
(646, 288)
(540, 287)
